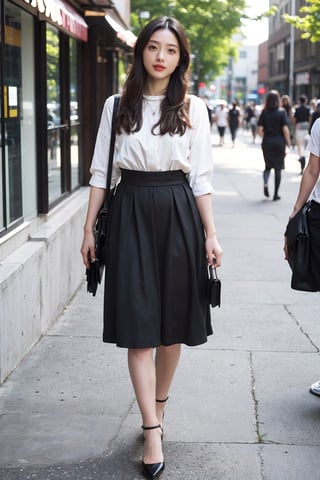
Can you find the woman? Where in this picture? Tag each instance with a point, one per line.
(310, 188)
(162, 233)
(234, 121)
(222, 122)
(251, 120)
(286, 105)
(273, 128)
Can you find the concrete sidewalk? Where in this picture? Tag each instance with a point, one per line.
(239, 408)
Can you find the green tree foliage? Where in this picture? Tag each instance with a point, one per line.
(209, 24)
(52, 47)
(308, 20)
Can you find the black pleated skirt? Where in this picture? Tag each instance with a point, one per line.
(156, 275)
(274, 152)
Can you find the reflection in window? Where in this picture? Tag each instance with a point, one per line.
(53, 113)
(12, 114)
(17, 133)
(74, 114)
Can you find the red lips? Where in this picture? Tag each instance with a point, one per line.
(159, 68)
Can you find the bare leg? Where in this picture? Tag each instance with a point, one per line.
(299, 147)
(166, 361)
(143, 377)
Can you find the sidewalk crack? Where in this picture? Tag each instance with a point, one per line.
(301, 328)
(260, 436)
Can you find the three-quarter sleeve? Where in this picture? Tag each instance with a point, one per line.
(100, 159)
(200, 154)
(314, 139)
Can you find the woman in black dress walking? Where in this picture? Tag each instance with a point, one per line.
(162, 233)
(273, 128)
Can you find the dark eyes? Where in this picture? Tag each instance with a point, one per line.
(153, 48)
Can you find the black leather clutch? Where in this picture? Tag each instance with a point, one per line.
(214, 288)
(94, 276)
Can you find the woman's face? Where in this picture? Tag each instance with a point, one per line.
(161, 55)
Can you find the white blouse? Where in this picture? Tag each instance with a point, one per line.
(143, 151)
(314, 147)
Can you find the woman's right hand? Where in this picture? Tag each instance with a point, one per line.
(88, 248)
(285, 246)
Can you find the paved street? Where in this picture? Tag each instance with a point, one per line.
(239, 408)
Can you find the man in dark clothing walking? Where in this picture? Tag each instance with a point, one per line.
(234, 121)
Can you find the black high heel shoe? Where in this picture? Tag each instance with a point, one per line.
(153, 470)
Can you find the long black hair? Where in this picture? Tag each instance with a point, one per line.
(174, 118)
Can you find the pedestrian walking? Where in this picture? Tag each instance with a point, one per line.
(273, 128)
(286, 105)
(162, 232)
(209, 110)
(234, 121)
(310, 189)
(315, 115)
(251, 120)
(302, 117)
(222, 122)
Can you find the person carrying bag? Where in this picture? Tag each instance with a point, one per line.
(309, 191)
(162, 235)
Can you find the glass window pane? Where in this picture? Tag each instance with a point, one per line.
(28, 120)
(12, 113)
(2, 146)
(53, 113)
(74, 145)
(74, 114)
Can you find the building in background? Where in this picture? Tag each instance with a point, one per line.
(263, 70)
(304, 69)
(240, 79)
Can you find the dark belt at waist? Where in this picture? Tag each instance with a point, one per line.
(134, 177)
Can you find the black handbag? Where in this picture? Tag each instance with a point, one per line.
(298, 244)
(95, 272)
(214, 288)
(94, 276)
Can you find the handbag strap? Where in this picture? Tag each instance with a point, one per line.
(304, 218)
(213, 273)
(111, 148)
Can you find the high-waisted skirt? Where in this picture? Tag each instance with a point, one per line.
(156, 280)
(314, 230)
(274, 151)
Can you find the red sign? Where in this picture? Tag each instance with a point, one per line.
(62, 14)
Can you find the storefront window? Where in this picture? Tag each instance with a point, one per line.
(18, 197)
(62, 113)
(40, 136)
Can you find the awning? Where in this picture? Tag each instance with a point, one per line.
(124, 35)
(72, 22)
(63, 15)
